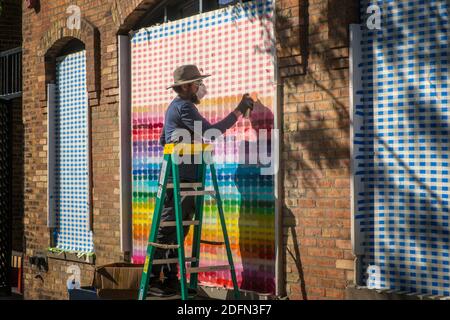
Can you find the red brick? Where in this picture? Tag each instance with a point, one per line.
(313, 231)
(342, 203)
(307, 203)
(318, 292)
(308, 242)
(343, 244)
(342, 183)
(335, 293)
(315, 146)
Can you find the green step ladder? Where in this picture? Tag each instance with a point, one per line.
(172, 152)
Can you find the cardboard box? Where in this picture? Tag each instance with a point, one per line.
(118, 281)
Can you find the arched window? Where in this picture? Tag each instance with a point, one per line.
(69, 152)
(73, 46)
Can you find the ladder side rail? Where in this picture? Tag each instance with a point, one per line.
(160, 196)
(180, 231)
(198, 228)
(224, 230)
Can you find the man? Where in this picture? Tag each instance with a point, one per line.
(182, 114)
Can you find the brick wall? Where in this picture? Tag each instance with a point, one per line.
(44, 31)
(313, 58)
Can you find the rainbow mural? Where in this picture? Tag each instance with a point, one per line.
(235, 46)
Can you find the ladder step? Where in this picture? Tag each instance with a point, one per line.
(207, 269)
(213, 243)
(198, 193)
(186, 185)
(174, 260)
(174, 223)
(163, 246)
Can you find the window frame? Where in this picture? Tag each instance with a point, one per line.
(71, 48)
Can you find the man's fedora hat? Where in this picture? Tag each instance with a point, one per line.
(187, 74)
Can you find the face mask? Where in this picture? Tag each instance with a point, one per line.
(201, 93)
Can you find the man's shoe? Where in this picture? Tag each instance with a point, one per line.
(158, 289)
(175, 284)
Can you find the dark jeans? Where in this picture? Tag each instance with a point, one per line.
(168, 235)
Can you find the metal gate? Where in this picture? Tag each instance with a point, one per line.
(5, 227)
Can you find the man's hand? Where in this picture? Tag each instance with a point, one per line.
(245, 104)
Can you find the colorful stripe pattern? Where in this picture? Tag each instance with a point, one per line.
(71, 164)
(234, 46)
(402, 149)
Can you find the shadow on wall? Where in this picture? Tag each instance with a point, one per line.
(315, 133)
(315, 123)
(247, 176)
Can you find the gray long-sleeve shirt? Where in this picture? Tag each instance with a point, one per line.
(182, 114)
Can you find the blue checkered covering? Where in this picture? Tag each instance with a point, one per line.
(402, 148)
(71, 165)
